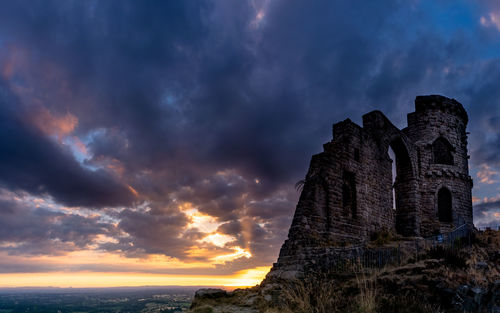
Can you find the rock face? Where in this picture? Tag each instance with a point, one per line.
(347, 195)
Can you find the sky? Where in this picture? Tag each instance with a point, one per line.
(159, 142)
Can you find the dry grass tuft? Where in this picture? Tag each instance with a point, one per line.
(367, 299)
(310, 296)
(382, 237)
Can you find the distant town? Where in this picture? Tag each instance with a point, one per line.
(90, 300)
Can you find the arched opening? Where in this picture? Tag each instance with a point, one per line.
(402, 165)
(349, 202)
(402, 186)
(444, 203)
(442, 151)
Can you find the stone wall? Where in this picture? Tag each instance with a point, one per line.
(347, 195)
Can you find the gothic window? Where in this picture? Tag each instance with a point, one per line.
(349, 194)
(444, 205)
(441, 150)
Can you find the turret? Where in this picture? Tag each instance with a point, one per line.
(438, 129)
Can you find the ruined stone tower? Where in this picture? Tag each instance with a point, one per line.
(347, 194)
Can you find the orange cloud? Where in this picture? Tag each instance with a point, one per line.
(132, 190)
(79, 145)
(487, 175)
(52, 124)
(492, 19)
(491, 199)
(112, 165)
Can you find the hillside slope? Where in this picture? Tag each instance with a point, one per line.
(437, 280)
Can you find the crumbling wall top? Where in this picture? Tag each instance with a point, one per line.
(430, 102)
(345, 127)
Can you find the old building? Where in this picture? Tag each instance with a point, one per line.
(351, 191)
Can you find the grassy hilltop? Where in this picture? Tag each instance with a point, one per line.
(437, 280)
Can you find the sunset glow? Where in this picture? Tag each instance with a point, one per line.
(245, 278)
(160, 144)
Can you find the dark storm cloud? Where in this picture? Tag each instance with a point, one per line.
(487, 214)
(187, 89)
(134, 60)
(489, 151)
(34, 163)
(485, 207)
(485, 112)
(202, 102)
(30, 230)
(151, 233)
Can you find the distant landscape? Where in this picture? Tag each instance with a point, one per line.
(133, 299)
(316, 156)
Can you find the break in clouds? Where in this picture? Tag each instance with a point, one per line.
(145, 128)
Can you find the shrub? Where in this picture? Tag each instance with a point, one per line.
(381, 237)
(305, 296)
(367, 299)
(452, 257)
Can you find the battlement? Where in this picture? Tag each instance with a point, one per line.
(437, 102)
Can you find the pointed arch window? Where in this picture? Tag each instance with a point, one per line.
(444, 203)
(442, 151)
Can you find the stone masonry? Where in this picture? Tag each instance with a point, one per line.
(347, 195)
